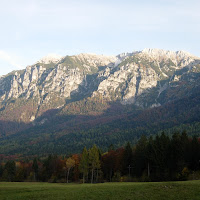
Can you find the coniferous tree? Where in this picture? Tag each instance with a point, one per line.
(1, 170)
(10, 169)
(84, 164)
(109, 164)
(111, 147)
(162, 144)
(184, 148)
(127, 159)
(35, 168)
(140, 156)
(194, 152)
(175, 155)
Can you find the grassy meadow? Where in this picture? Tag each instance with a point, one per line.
(118, 191)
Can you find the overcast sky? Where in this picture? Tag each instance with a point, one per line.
(31, 29)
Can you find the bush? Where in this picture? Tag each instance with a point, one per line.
(53, 179)
(116, 177)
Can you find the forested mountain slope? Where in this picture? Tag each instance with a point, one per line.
(61, 104)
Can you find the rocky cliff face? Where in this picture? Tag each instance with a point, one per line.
(145, 78)
(141, 77)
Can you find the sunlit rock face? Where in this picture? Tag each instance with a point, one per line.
(140, 78)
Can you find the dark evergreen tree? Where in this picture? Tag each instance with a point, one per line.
(84, 164)
(140, 157)
(35, 168)
(10, 170)
(109, 164)
(111, 147)
(194, 154)
(127, 160)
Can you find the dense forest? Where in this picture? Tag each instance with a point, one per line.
(159, 158)
(117, 125)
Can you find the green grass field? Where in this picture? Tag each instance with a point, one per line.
(118, 191)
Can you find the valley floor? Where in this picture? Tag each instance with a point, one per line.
(118, 191)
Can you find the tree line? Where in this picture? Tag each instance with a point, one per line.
(159, 158)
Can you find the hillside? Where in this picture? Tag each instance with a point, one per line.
(61, 104)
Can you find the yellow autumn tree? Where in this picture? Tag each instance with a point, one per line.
(70, 163)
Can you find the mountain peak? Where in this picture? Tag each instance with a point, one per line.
(160, 53)
(185, 54)
(50, 58)
(94, 56)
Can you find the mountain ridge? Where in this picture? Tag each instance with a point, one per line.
(87, 92)
(124, 77)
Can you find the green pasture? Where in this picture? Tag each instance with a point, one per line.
(117, 191)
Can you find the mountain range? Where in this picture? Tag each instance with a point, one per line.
(61, 104)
